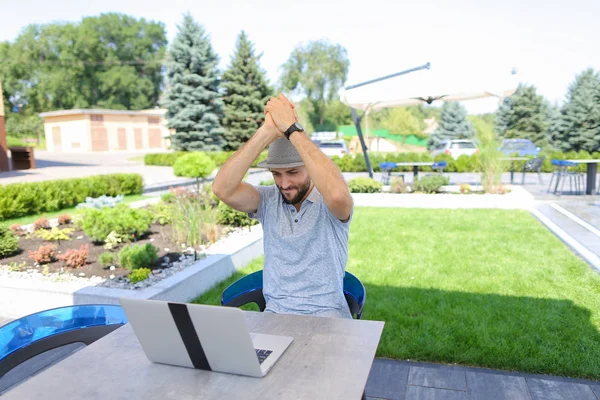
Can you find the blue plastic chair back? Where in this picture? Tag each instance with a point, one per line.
(30, 330)
(557, 163)
(440, 164)
(385, 166)
(249, 290)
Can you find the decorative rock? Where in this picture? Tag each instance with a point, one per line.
(112, 276)
(82, 274)
(167, 249)
(80, 237)
(152, 239)
(112, 268)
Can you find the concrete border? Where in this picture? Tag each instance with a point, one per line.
(20, 297)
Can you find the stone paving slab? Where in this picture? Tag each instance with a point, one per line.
(427, 393)
(387, 380)
(482, 385)
(440, 377)
(542, 389)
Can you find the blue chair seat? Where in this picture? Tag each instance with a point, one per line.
(37, 333)
(249, 289)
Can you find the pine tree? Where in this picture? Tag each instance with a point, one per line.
(453, 124)
(579, 127)
(527, 116)
(194, 106)
(246, 93)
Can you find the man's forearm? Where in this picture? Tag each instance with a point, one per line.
(324, 173)
(233, 171)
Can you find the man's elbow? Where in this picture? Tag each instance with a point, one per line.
(343, 202)
(218, 189)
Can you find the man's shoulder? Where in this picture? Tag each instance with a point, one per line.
(268, 193)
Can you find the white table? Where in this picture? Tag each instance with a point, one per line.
(592, 170)
(330, 358)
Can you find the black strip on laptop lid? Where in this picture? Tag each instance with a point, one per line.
(184, 324)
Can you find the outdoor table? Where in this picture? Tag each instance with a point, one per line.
(415, 166)
(592, 170)
(512, 165)
(330, 358)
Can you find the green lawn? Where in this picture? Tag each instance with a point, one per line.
(72, 211)
(489, 288)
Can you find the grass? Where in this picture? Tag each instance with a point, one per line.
(490, 288)
(12, 141)
(72, 211)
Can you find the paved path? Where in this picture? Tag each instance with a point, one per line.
(405, 380)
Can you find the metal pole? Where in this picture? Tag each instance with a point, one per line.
(356, 120)
(3, 144)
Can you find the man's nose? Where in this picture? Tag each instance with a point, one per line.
(285, 182)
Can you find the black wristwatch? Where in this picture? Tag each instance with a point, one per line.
(295, 127)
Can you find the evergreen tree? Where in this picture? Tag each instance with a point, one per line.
(246, 93)
(579, 127)
(524, 115)
(194, 106)
(453, 124)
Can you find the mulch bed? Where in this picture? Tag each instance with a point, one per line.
(159, 236)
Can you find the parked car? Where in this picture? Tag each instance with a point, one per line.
(455, 148)
(333, 147)
(524, 147)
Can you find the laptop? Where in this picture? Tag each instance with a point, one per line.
(212, 338)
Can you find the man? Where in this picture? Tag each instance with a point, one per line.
(305, 216)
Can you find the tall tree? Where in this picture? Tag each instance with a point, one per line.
(524, 115)
(318, 71)
(401, 121)
(246, 91)
(192, 99)
(453, 124)
(111, 60)
(579, 126)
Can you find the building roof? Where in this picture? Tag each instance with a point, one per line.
(159, 112)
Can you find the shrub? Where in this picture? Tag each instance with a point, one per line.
(21, 199)
(75, 258)
(55, 234)
(17, 229)
(125, 221)
(430, 184)
(162, 213)
(194, 165)
(163, 159)
(229, 216)
(112, 240)
(106, 259)
(100, 202)
(167, 197)
(365, 185)
(138, 256)
(193, 218)
(397, 185)
(44, 254)
(64, 219)
(41, 223)
(465, 188)
(268, 182)
(138, 275)
(9, 242)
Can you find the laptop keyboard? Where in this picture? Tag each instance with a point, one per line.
(262, 354)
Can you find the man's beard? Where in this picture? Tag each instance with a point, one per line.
(302, 190)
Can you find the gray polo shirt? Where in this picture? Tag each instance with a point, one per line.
(305, 255)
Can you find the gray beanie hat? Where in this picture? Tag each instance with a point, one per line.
(282, 154)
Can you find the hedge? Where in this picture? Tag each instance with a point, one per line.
(168, 159)
(22, 199)
(356, 163)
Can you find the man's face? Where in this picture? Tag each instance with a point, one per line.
(293, 183)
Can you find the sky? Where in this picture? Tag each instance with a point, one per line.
(548, 42)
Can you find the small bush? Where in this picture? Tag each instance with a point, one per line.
(430, 184)
(100, 202)
(113, 240)
(167, 197)
(162, 213)
(397, 185)
(229, 216)
(138, 256)
(55, 234)
(9, 242)
(125, 221)
(75, 258)
(64, 219)
(43, 255)
(41, 223)
(163, 159)
(106, 259)
(194, 165)
(365, 185)
(465, 188)
(17, 229)
(138, 275)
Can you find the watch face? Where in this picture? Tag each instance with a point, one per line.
(299, 126)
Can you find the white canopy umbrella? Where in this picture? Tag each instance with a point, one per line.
(423, 86)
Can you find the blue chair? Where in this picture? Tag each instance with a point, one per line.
(34, 334)
(439, 165)
(386, 171)
(575, 177)
(249, 290)
(556, 173)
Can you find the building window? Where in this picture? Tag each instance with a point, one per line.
(97, 118)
